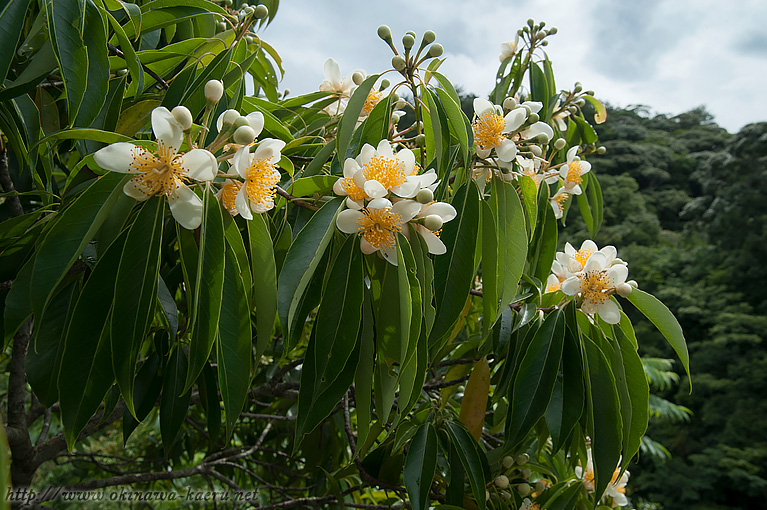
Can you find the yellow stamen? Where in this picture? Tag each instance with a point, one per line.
(559, 199)
(352, 190)
(583, 255)
(574, 172)
(379, 227)
(553, 287)
(371, 101)
(488, 130)
(390, 172)
(228, 195)
(159, 173)
(261, 181)
(593, 286)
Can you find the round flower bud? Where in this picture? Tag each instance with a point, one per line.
(401, 103)
(425, 196)
(358, 77)
(183, 116)
(228, 3)
(122, 72)
(580, 101)
(429, 36)
(533, 118)
(522, 459)
(618, 260)
(506, 495)
(527, 109)
(526, 472)
(394, 97)
(501, 481)
(540, 486)
(241, 121)
(560, 144)
(384, 32)
(507, 461)
(544, 43)
(384, 84)
(536, 150)
(572, 109)
(221, 26)
(633, 283)
(542, 138)
(523, 489)
(520, 32)
(249, 39)
(410, 32)
(530, 22)
(553, 30)
(214, 89)
(624, 289)
(248, 10)
(602, 149)
(261, 11)
(230, 116)
(589, 92)
(408, 41)
(435, 50)
(433, 222)
(509, 103)
(244, 135)
(420, 140)
(578, 87)
(398, 62)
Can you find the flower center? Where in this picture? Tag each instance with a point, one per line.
(352, 190)
(559, 199)
(593, 286)
(159, 173)
(371, 101)
(553, 287)
(390, 172)
(379, 227)
(228, 195)
(488, 130)
(583, 255)
(574, 173)
(259, 186)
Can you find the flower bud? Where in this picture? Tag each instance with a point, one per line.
(602, 149)
(540, 486)
(394, 97)
(560, 144)
(544, 43)
(633, 283)
(589, 92)
(410, 32)
(523, 489)
(433, 222)
(221, 26)
(501, 481)
(398, 62)
(230, 116)
(420, 140)
(261, 11)
(384, 32)
(522, 459)
(425, 196)
(527, 109)
(526, 473)
(624, 289)
(536, 150)
(248, 10)
(487, 495)
(578, 87)
(384, 84)
(530, 22)
(506, 495)
(228, 3)
(580, 102)
(542, 138)
(122, 72)
(401, 103)
(241, 121)
(509, 103)
(435, 50)
(249, 39)
(358, 77)
(244, 135)
(183, 116)
(617, 260)
(572, 109)
(533, 118)
(508, 461)
(520, 32)
(542, 24)
(408, 41)
(214, 89)
(396, 116)
(428, 37)
(243, 5)
(552, 30)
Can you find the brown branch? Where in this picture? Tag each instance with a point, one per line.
(518, 306)
(445, 384)
(295, 200)
(22, 451)
(14, 204)
(117, 51)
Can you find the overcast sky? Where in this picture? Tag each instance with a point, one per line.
(669, 55)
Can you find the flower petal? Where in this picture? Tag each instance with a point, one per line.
(256, 121)
(535, 106)
(374, 189)
(407, 189)
(434, 243)
(347, 221)
(332, 71)
(442, 209)
(351, 167)
(135, 190)
(390, 254)
(116, 157)
(514, 119)
(186, 207)
(407, 209)
(241, 204)
(366, 247)
(596, 262)
(200, 164)
(609, 312)
(166, 128)
(482, 105)
(384, 149)
(571, 286)
(241, 161)
(571, 153)
(366, 154)
(618, 274)
(507, 151)
(380, 203)
(408, 160)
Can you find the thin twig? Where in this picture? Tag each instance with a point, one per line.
(295, 200)
(148, 71)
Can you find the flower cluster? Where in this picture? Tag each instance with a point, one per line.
(616, 489)
(593, 275)
(384, 195)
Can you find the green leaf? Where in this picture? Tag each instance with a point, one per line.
(271, 123)
(86, 367)
(173, 405)
(148, 385)
(638, 393)
(533, 383)
(264, 280)
(11, 24)
(454, 271)
(135, 293)
(666, 323)
(95, 39)
(472, 459)
(234, 344)
(208, 287)
(363, 378)
(543, 245)
(334, 343)
(600, 113)
(377, 124)
(457, 121)
(302, 259)
(169, 308)
(420, 465)
(66, 24)
(353, 109)
(209, 399)
(75, 228)
(131, 58)
(573, 391)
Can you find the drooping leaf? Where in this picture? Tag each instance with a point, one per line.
(420, 465)
(472, 459)
(264, 280)
(11, 24)
(173, 405)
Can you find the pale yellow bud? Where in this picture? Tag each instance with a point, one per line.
(433, 222)
(501, 481)
(214, 89)
(244, 135)
(183, 116)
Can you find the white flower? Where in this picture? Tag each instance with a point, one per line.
(378, 225)
(529, 505)
(559, 118)
(227, 195)
(539, 128)
(501, 169)
(595, 284)
(434, 215)
(574, 260)
(508, 49)
(163, 171)
(381, 171)
(334, 83)
(616, 489)
(259, 171)
(559, 275)
(490, 129)
(573, 171)
(557, 201)
(255, 120)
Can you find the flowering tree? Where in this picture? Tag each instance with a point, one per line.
(283, 284)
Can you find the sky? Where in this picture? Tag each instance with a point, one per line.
(671, 56)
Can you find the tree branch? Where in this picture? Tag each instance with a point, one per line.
(295, 200)
(22, 451)
(117, 51)
(14, 204)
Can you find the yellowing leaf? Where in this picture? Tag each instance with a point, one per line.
(475, 398)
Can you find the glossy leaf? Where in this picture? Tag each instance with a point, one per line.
(638, 393)
(472, 459)
(420, 465)
(352, 113)
(264, 281)
(66, 22)
(474, 402)
(95, 39)
(11, 24)
(173, 405)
